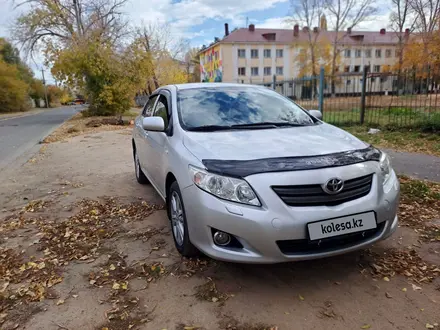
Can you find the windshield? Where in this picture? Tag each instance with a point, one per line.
(238, 106)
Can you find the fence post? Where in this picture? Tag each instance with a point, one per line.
(321, 90)
(363, 94)
(274, 82)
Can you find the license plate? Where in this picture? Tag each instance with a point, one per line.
(340, 226)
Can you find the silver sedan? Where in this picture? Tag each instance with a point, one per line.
(249, 176)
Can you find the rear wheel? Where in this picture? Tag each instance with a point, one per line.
(179, 226)
(140, 176)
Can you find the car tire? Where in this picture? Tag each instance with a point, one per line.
(179, 224)
(140, 176)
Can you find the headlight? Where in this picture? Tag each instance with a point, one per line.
(385, 167)
(232, 189)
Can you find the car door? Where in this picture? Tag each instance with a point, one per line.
(159, 142)
(142, 144)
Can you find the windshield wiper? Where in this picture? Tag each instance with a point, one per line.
(209, 128)
(267, 124)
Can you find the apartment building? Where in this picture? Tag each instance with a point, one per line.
(252, 55)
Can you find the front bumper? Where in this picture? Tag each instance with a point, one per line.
(259, 228)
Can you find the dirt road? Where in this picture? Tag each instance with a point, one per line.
(83, 246)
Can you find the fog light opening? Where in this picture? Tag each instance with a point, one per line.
(221, 238)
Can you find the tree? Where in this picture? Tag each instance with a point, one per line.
(309, 12)
(423, 49)
(59, 23)
(346, 14)
(157, 41)
(36, 91)
(13, 90)
(192, 62)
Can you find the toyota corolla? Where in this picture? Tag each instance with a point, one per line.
(249, 176)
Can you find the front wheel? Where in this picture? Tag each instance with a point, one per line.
(140, 176)
(179, 226)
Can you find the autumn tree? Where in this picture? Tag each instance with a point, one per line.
(192, 63)
(344, 15)
(308, 12)
(423, 48)
(13, 90)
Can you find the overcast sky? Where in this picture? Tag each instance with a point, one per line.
(201, 20)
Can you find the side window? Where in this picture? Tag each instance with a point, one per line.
(148, 109)
(162, 110)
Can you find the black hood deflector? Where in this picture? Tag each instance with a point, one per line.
(243, 168)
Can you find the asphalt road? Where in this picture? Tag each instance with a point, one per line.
(19, 135)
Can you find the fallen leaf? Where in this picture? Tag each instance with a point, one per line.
(214, 299)
(388, 295)
(386, 279)
(124, 286)
(41, 265)
(415, 287)
(60, 302)
(429, 326)
(300, 297)
(75, 296)
(366, 326)
(112, 267)
(92, 282)
(404, 289)
(116, 286)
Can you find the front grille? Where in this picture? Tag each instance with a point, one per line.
(301, 246)
(313, 195)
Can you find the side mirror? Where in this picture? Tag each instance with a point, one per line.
(153, 124)
(316, 114)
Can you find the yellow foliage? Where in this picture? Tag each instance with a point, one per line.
(309, 65)
(13, 90)
(168, 72)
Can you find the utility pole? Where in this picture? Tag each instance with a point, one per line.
(45, 88)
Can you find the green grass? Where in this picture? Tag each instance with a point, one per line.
(391, 119)
(419, 190)
(402, 139)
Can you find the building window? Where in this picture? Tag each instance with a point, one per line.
(397, 54)
(376, 68)
(367, 53)
(357, 68)
(254, 53)
(242, 53)
(280, 70)
(347, 53)
(388, 53)
(267, 53)
(378, 53)
(367, 68)
(254, 71)
(348, 82)
(216, 56)
(358, 53)
(347, 68)
(267, 70)
(280, 53)
(241, 71)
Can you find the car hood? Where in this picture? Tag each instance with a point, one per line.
(271, 143)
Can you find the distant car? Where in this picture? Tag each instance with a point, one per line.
(250, 176)
(79, 101)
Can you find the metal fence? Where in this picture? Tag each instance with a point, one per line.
(407, 99)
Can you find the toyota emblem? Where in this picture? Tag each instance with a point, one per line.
(333, 186)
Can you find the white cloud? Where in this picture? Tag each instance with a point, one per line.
(274, 23)
(375, 23)
(188, 13)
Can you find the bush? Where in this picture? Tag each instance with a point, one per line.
(13, 90)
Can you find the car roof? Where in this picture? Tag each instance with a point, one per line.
(213, 85)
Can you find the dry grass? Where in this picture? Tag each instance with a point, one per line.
(408, 140)
(77, 125)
